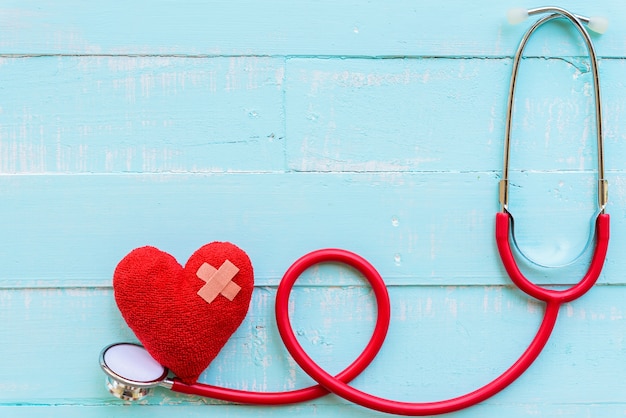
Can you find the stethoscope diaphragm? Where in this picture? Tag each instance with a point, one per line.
(131, 372)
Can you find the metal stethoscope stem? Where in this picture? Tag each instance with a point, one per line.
(576, 21)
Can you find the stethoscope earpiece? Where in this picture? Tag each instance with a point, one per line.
(598, 24)
(131, 373)
(516, 15)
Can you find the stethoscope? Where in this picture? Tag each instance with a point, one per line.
(131, 372)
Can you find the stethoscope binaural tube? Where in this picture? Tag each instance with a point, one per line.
(505, 231)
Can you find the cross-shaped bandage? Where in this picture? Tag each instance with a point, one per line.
(218, 281)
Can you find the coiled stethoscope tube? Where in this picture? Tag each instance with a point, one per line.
(121, 385)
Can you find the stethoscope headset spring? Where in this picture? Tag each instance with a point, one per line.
(132, 373)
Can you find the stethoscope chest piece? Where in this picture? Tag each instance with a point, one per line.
(131, 372)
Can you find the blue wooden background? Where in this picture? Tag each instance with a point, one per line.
(285, 127)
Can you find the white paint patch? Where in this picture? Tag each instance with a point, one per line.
(232, 81)
(6, 296)
(401, 311)
(291, 381)
(452, 307)
(351, 79)
(531, 306)
(146, 82)
(27, 298)
(497, 303)
(616, 314)
(85, 292)
(279, 77)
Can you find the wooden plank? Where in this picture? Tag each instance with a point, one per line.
(444, 341)
(201, 411)
(439, 114)
(421, 228)
(141, 114)
(285, 127)
(281, 27)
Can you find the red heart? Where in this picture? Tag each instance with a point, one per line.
(159, 300)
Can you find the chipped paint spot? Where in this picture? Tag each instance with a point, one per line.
(452, 307)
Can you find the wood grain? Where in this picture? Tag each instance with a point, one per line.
(285, 127)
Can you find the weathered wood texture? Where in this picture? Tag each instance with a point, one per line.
(285, 127)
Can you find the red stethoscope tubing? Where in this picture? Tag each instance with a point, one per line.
(385, 405)
(338, 384)
(547, 295)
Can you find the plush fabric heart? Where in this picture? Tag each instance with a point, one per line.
(184, 316)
